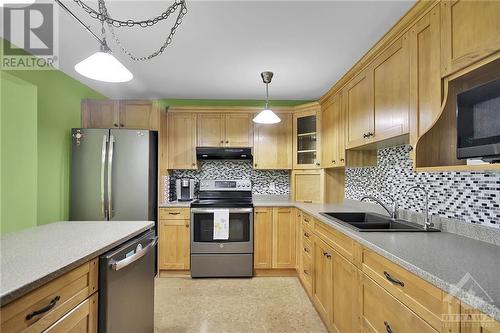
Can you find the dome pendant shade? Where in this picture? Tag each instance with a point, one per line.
(266, 116)
(103, 66)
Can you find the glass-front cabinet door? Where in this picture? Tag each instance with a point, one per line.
(306, 140)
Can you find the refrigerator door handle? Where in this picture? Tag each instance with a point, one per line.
(103, 167)
(110, 173)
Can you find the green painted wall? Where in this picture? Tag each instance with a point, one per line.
(18, 154)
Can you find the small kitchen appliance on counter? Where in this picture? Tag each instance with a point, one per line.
(184, 189)
(222, 229)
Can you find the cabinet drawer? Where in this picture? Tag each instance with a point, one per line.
(343, 244)
(383, 313)
(306, 274)
(420, 296)
(83, 318)
(174, 213)
(307, 220)
(307, 249)
(63, 294)
(307, 237)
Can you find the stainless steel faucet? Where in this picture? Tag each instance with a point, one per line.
(393, 212)
(428, 223)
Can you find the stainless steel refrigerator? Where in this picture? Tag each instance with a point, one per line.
(113, 175)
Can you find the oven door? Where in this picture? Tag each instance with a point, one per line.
(240, 231)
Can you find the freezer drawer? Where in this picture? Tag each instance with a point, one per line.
(222, 265)
(126, 287)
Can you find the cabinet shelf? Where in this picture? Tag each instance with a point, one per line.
(306, 151)
(307, 134)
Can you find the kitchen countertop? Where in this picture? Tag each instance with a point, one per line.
(443, 259)
(32, 257)
(176, 204)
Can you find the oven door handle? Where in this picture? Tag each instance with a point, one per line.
(213, 210)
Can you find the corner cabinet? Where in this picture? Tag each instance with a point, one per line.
(274, 238)
(306, 139)
(181, 140)
(273, 144)
(225, 130)
(134, 114)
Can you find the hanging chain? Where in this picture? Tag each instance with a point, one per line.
(103, 16)
(99, 15)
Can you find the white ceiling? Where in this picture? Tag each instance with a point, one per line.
(222, 46)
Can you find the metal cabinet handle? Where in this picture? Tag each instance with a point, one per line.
(393, 280)
(306, 234)
(326, 254)
(255, 165)
(306, 250)
(342, 160)
(306, 272)
(47, 308)
(117, 265)
(174, 213)
(369, 134)
(221, 141)
(388, 327)
(227, 141)
(306, 220)
(318, 164)
(121, 125)
(115, 125)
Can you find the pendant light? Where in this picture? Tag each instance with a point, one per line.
(266, 116)
(103, 66)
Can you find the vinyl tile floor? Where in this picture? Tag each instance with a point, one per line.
(260, 304)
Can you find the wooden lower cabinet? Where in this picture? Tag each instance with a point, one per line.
(323, 280)
(381, 312)
(173, 245)
(83, 318)
(345, 308)
(73, 297)
(274, 238)
(473, 321)
(263, 238)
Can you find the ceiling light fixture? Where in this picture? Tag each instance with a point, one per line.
(103, 66)
(266, 116)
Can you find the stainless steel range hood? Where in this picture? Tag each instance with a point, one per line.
(217, 153)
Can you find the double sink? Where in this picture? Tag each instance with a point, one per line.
(362, 221)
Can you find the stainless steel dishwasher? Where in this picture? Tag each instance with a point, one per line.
(126, 286)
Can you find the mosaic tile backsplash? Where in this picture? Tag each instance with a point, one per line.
(469, 196)
(261, 179)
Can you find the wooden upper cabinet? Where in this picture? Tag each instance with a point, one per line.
(283, 238)
(390, 73)
(308, 185)
(225, 130)
(358, 96)
(425, 78)
(239, 130)
(306, 136)
(138, 115)
(470, 32)
(100, 113)
(135, 114)
(273, 144)
(210, 130)
(181, 140)
(333, 133)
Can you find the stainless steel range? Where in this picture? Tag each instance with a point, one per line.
(222, 229)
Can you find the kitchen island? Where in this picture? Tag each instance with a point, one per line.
(32, 257)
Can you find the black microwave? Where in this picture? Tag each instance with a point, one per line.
(478, 123)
